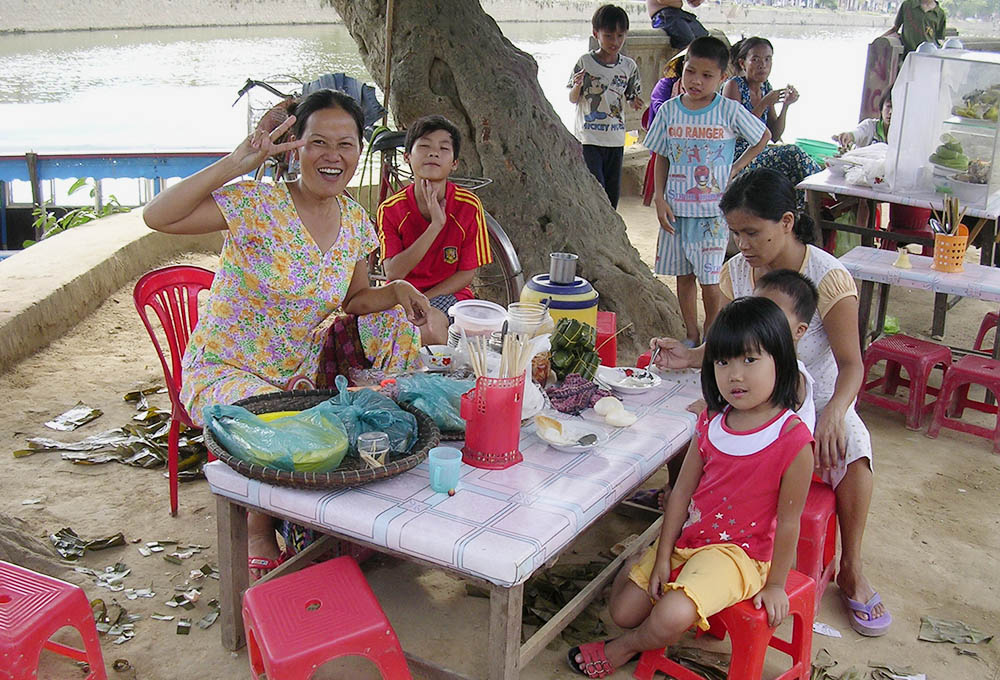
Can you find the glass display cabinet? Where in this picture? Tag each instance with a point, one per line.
(943, 134)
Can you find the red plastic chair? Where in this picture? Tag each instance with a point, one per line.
(32, 608)
(967, 371)
(919, 358)
(817, 544)
(298, 622)
(172, 292)
(751, 636)
(989, 323)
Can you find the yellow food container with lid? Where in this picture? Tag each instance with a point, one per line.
(577, 300)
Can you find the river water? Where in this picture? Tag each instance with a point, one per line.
(173, 89)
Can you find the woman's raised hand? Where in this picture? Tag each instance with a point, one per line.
(791, 95)
(772, 98)
(673, 355)
(260, 144)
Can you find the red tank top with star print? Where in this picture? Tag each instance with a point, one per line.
(737, 497)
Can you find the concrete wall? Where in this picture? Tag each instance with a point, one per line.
(62, 15)
(48, 288)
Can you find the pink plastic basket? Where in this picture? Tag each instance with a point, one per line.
(492, 414)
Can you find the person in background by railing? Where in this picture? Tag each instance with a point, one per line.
(433, 233)
(918, 21)
(750, 87)
(602, 83)
(681, 26)
(290, 306)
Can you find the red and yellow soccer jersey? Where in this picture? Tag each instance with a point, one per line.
(463, 243)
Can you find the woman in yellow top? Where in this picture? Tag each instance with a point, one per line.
(295, 256)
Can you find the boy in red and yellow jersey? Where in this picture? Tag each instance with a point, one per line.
(433, 233)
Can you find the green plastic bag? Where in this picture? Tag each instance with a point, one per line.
(437, 396)
(370, 411)
(313, 440)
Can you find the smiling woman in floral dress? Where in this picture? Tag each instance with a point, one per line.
(295, 257)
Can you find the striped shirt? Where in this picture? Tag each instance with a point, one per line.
(699, 146)
(463, 243)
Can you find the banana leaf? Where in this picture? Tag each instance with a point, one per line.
(944, 630)
(74, 418)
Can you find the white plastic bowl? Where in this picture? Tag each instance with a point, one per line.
(478, 317)
(967, 191)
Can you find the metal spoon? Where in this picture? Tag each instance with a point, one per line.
(587, 439)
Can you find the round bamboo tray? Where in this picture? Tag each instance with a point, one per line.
(351, 472)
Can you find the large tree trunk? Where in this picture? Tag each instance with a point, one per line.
(449, 57)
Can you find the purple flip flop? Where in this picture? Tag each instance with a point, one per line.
(870, 627)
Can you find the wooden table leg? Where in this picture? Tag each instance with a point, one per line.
(880, 311)
(505, 632)
(234, 577)
(869, 239)
(940, 311)
(865, 311)
(813, 203)
(988, 236)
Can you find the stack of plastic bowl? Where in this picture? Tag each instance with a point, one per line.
(475, 317)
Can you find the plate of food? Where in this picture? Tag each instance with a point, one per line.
(627, 380)
(568, 437)
(438, 358)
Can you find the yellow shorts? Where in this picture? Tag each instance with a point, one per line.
(713, 576)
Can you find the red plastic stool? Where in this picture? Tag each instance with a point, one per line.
(818, 537)
(969, 370)
(607, 343)
(919, 358)
(298, 622)
(32, 608)
(750, 637)
(989, 323)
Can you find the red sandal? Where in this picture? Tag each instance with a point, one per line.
(266, 564)
(595, 663)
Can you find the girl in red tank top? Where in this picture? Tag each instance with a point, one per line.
(732, 519)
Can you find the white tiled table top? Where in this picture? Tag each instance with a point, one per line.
(871, 264)
(501, 525)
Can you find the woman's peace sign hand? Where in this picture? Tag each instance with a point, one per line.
(260, 144)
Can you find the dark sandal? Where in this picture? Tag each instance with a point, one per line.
(649, 498)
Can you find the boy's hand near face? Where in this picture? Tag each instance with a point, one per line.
(435, 203)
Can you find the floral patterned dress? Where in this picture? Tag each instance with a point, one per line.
(275, 297)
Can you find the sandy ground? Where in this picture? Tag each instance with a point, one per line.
(931, 545)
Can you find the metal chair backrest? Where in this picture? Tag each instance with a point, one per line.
(172, 292)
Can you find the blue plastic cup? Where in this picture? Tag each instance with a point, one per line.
(445, 466)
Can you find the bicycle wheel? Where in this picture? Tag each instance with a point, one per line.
(501, 280)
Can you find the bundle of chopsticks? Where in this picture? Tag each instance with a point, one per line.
(952, 217)
(514, 357)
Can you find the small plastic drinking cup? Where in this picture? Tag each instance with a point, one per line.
(373, 443)
(445, 465)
